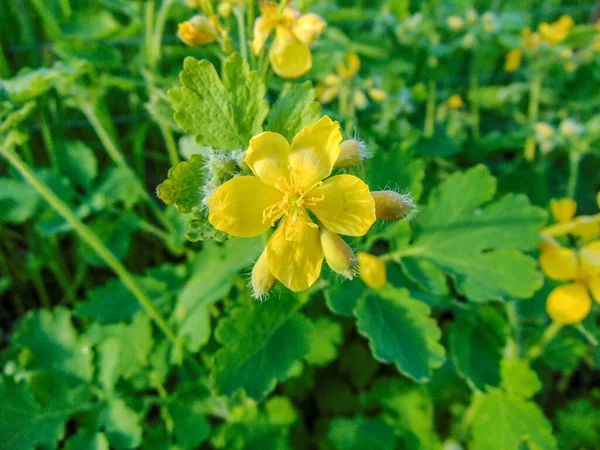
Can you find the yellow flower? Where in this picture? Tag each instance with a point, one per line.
(571, 303)
(351, 67)
(289, 54)
(455, 101)
(377, 95)
(531, 40)
(455, 23)
(513, 60)
(199, 30)
(371, 269)
(288, 179)
(563, 209)
(556, 32)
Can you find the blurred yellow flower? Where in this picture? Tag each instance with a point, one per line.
(571, 303)
(455, 101)
(289, 54)
(563, 209)
(371, 269)
(556, 32)
(455, 23)
(288, 179)
(199, 30)
(531, 40)
(513, 60)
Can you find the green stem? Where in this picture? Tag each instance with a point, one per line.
(159, 27)
(170, 143)
(49, 142)
(65, 5)
(149, 8)
(589, 336)
(514, 345)
(92, 240)
(238, 12)
(533, 114)
(429, 126)
(282, 4)
(16, 298)
(574, 160)
(473, 97)
(549, 333)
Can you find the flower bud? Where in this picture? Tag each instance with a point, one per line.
(455, 101)
(390, 205)
(570, 128)
(371, 269)
(352, 153)
(513, 60)
(197, 31)
(308, 28)
(543, 132)
(378, 95)
(455, 23)
(471, 16)
(338, 254)
(569, 304)
(262, 278)
(225, 9)
(563, 209)
(360, 99)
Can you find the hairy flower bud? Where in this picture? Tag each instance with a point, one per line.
(308, 28)
(338, 254)
(262, 278)
(352, 153)
(390, 205)
(371, 269)
(197, 31)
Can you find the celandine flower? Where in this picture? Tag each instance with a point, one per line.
(289, 54)
(288, 181)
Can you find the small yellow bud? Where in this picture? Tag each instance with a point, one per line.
(352, 153)
(489, 22)
(513, 60)
(563, 209)
(390, 205)
(225, 9)
(360, 99)
(308, 28)
(455, 101)
(471, 16)
(351, 67)
(455, 23)
(371, 269)
(468, 40)
(531, 40)
(570, 66)
(197, 31)
(569, 304)
(338, 254)
(378, 95)
(543, 132)
(262, 278)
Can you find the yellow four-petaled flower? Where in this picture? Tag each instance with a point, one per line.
(289, 180)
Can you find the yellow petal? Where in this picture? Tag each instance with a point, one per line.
(267, 156)
(314, 152)
(585, 227)
(559, 263)
(563, 209)
(569, 304)
(237, 206)
(594, 287)
(294, 252)
(371, 269)
(264, 25)
(513, 60)
(590, 258)
(290, 58)
(308, 28)
(344, 204)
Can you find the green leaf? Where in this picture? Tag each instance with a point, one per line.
(221, 114)
(341, 297)
(396, 169)
(200, 229)
(479, 248)
(115, 231)
(183, 188)
(216, 268)
(118, 186)
(401, 331)
(503, 421)
(261, 343)
(579, 425)
(78, 162)
(29, 84)
(52, 344)
(327, 335)
(409, 406)
(426, 275)
(519, 379)
(359, 433)
(190, 426)
(87, 440)
(294, 109)
(122, 425)
(24, 425)
(18, 201)
(477, 340)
